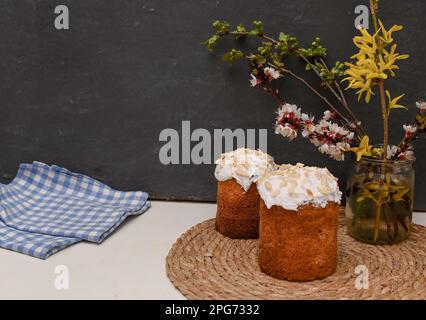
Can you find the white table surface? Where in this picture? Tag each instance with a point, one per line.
(128, 265)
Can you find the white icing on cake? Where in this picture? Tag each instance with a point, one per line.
(246, 166)
(293, 186)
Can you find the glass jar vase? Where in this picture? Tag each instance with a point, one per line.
(379, 200)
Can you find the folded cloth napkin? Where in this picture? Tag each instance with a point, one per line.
(48, 208)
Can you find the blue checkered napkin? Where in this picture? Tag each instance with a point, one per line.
(51, 201)
(33, 244)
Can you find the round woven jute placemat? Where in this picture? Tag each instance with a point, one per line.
(203, 264)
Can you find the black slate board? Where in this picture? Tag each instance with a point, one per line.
(95, 98)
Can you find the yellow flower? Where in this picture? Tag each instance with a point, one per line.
(393, 103)
(399, 194)
(386, 190)
(364, 148)
(386, 36)
(373, 61)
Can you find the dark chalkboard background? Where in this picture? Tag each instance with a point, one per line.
(95, 98)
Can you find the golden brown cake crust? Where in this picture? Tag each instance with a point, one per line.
(237, 213)
(298, 245)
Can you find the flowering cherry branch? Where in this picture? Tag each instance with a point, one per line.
(265, 79)
(339, 130)
(264, 76)
(340, 116)
(328, 137)
(273, 51)
(405, 150)
(339, 96)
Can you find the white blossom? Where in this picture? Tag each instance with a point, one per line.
(286, 131)
(392, 150)
(410, 130)
(328, 115)
(337, 152)
(308, 125)
(336, 129)
(271, 73)
(323, 125)
(330, 138)
(306, 118)
(288, 120)
(253, 80)
(421, 105)
(314, 140)
(350, 136)
(288, 109)
(324, 148)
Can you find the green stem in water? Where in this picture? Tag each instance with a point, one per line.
(374, 5)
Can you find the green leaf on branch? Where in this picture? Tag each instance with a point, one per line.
(316, 50)
(337, 70)
(328, 76)
(282, 37)
(258, 28)
(276, 59)
(287, 44)
(421, 121)
(255, 71)
(240, 29)
(211, 42)
(265, 49)
(257, 60)
(233, 56)
(222, 27)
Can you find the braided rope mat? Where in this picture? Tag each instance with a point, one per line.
(203, 264)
